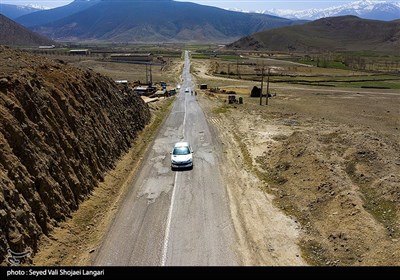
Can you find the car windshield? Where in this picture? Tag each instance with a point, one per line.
(181, 151)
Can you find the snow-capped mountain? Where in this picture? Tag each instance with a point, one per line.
(36, 6)
(15, 11)
(368, 9)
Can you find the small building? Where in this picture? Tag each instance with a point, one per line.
(144, 90)
(80, 52)
(47, 47)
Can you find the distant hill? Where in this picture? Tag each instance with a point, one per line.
(157, 20)
(327, 34)
(47, 16)
(15, 11)
(12, 33)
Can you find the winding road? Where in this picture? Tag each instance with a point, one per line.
(174, 218)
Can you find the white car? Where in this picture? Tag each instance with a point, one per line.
(187, 89)
(182, 156)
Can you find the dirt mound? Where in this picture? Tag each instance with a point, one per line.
(344, 189)
(61, 128)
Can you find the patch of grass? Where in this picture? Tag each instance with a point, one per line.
(221, 110)
(272, 175)
(382, 209)
(393, 84)
(248, 161)
(324, 63)
(313, 252)
(230, 57)
(200, 56)
(385, 82)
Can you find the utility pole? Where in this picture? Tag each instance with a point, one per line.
(147, 76)
(237, 68)
(151, 76)
(266, 101)
(262, 83)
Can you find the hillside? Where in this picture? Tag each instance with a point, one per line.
(11, 33)
(155, 21)
(15, 11)
(47, 16)
(61, 129)
(348, 33)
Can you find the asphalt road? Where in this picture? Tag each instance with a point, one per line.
(174, 217)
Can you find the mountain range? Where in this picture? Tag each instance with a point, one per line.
(124, 21)
(147, 21)
(367, 9)
(345, 33)
(15, 11)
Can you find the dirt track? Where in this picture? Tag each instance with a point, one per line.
(329, 159)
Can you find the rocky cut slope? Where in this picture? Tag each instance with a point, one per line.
(61, 128)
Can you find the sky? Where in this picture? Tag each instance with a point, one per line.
(249, 5)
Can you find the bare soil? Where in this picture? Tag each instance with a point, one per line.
(314, 176)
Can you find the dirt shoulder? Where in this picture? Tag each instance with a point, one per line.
(313, 177)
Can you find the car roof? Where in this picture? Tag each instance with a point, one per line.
(181, 144)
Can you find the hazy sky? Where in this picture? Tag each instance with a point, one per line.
(240, 4)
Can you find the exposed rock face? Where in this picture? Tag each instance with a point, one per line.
(61, 128)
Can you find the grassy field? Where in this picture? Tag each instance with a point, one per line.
(361, 60)
(332, 71)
